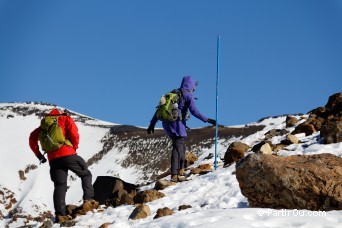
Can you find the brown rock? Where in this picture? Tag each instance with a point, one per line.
(88, 205)
(275, 132)
(306, 128)
(295, 182)
(161, 212)
(335, 104)
(22, 175)
(278, 147)
(290, 139)
(317, 122)
(290, 121)
(147, 196)
(183, 207)
(265, 149)
(70, 208)
(127, 198)
(141, 211)
(235, 152)
(106, 225)
(332, 131)
(162, 184)
(190, 159)
(201, 169)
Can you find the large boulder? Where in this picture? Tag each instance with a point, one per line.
(306, 128)
(109, 188)
(334, 104)
(312, 182)
(331, 131)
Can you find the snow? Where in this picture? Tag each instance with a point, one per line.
(215, 198)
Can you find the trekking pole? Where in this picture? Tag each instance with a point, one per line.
(217, 83)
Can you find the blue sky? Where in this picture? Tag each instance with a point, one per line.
(112, 60)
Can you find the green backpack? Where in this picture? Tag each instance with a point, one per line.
(51, 136)
(167, 110)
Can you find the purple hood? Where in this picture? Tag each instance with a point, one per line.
(188, 83)
(178, 128)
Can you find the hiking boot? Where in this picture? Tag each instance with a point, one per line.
(181, 172)
(174, 178)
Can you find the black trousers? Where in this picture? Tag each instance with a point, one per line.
(178, 154)
(59, 173)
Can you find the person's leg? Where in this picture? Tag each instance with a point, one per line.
(178, 155)
(77, 165)
(174, 157)
(59, 177)
(181, 143)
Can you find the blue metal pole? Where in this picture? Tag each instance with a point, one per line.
(217, 87)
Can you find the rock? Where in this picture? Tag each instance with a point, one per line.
(183, 207)
(311, 182)
(265, 149)
(210, 156)
(70, 208)
(290, 121)
(257, 147)
(275, 132)
(147, 196)
(332, 131)
(106, 225)
(190, 159)
(22, 175)
(88, 205)
(235, 152)
(47, 224)
(306, 128)
(127, 198)
(201, 169)
(108, 188)
(290, 139)
(162, 184)
(276, 148)
(334, 104)
(161, 212)
(141, 211)
(317, 122)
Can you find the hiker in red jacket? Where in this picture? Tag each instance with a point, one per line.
(62, 160)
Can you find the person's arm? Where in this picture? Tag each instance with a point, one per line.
(153, 122)
(33, 142)
(194, 111)
(71, 132)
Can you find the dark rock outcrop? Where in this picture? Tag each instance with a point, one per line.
(109, 188)
(295, 182)
(331, 132)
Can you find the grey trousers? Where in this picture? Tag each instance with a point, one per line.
(59, 173)
(178, 154)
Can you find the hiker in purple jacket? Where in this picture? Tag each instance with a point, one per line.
(176, 130)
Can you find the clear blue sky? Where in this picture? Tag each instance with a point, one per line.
(112, 60)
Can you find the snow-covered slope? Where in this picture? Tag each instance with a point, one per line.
(118, 150)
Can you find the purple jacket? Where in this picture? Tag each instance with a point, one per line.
(178, 128)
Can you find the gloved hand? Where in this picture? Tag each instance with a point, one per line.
(150, 129)
(211, 121)
(41, 158)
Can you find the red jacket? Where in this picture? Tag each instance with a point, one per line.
(70, 131)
